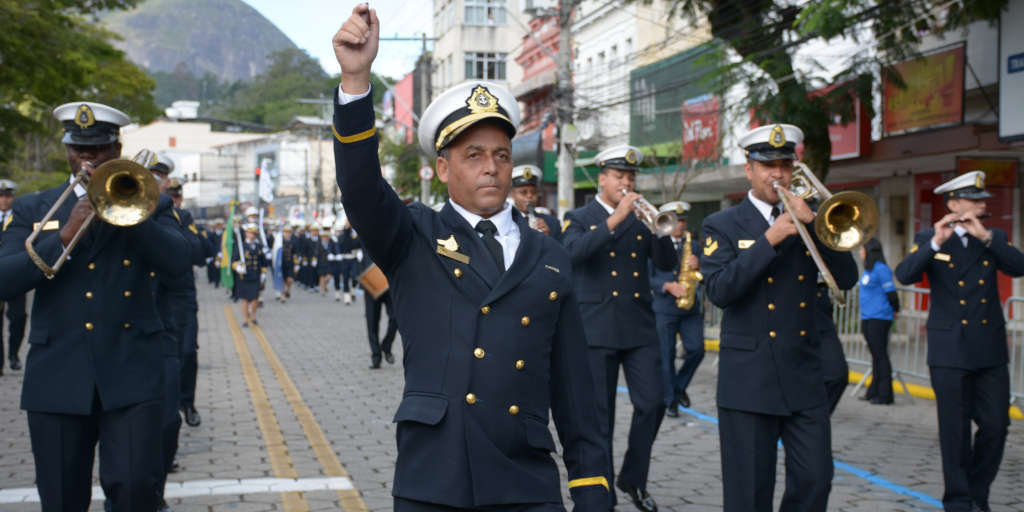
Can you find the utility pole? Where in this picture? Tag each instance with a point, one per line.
(564, 108)
(425, 72)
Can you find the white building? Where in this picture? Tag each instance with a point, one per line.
(476, 39)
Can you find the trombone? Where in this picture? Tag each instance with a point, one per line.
(660, 223)
(845, 220)
(122, 193)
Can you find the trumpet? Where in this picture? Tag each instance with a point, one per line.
(660, 223)
(845, 220)
(122, 193)
(959, 221)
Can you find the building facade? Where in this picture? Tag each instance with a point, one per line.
(476, 40)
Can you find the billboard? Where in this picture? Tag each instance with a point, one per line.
(658, 89)
(933, 96)
(701, 128)
(1011, 73)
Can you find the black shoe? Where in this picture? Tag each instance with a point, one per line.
(389, 358)
(245, 324)
(174, 466)
(881, 401)
(672, 410)
(375, 365)
(866, 398)
(163, 506)
(191, 416)
(641, 500)
(15, 364)
(255, 322)
(684, 399)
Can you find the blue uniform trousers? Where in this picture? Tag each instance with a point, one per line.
(189, 358)
(131, 462)
(691, 329)
(749, 458)
(16, 318)
(404, 505)
(963, 396)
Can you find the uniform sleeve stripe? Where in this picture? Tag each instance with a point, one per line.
(354, 138)
(583, 482)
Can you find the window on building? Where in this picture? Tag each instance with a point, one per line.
(485, 12)
(485, 66)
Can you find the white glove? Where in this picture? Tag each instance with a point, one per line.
(240, 268)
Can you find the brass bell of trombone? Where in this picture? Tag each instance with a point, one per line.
(122, 193)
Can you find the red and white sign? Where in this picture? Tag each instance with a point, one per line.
(426, 173)
(700, 128)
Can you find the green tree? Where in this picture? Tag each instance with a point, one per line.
(767, 34)
(51, 55)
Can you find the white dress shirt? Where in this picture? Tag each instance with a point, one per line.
(764, 208)
(508, 231)
(344, 98)
(79, 189)
(3, 217)
(960, 231)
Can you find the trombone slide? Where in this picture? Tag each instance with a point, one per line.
(826, 274)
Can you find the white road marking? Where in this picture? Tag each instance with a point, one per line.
(207, 488)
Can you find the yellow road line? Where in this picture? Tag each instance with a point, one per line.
(917, 390)
(350, 499)
(277, 450)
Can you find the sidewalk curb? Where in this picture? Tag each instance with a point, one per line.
(917, 390)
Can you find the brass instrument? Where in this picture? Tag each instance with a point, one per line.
(688, 277)
(660, 223)
(960, 221)
(531, 216)
(845, 220)
(122, 193)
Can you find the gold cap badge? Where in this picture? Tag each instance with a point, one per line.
(84, 117)
(482, 101)
(631, 157)
(979, 180)
(778, 137)
(527, 174)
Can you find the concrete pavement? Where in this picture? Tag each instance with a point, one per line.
(294, 420)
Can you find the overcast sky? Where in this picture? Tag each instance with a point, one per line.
(312, 23)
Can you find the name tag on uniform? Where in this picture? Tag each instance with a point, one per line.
(745, 244)
(941, 256)
(49, 226)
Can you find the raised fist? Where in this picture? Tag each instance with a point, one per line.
(355, 46)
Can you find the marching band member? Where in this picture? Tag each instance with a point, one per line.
(770, 381)
(249, 262)
(675, 317)
(967, 351)
(14, 308)
(524, 197)
(94, 369)
(490, 327)
(610, 249)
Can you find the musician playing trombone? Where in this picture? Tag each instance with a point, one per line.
(610, 249)
(94, 368)
(770, 380)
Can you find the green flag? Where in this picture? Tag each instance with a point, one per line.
(227, 246)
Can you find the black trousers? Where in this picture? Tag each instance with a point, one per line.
(213, 275)
(189, 358)
(963, 396)
(833, 366)
(16, 318)
(406, 505)
(749, 453)
(377, 346)
(170, 422)
(642, 367)
(876, 332)
(131, 462)
(691, 330)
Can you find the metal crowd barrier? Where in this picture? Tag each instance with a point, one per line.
(908, 349)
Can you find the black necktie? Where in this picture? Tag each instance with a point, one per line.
(488, 230)
(775, 213)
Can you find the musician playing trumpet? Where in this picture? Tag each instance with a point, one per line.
(95, 365)
(610, 248)
(770, 380)
(677, 311)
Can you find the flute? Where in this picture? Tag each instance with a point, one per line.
(980, 217)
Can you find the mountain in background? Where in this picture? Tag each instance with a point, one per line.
(226, 38)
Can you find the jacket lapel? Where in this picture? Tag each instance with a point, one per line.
(525, 260)
(480, 261)
(751, 221)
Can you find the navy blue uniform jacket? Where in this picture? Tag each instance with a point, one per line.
(487, 355)
(664, 302)
(95, 324)
(611, 276)
(965, 325)
(770, 358)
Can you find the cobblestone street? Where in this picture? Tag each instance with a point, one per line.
(294, 420)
